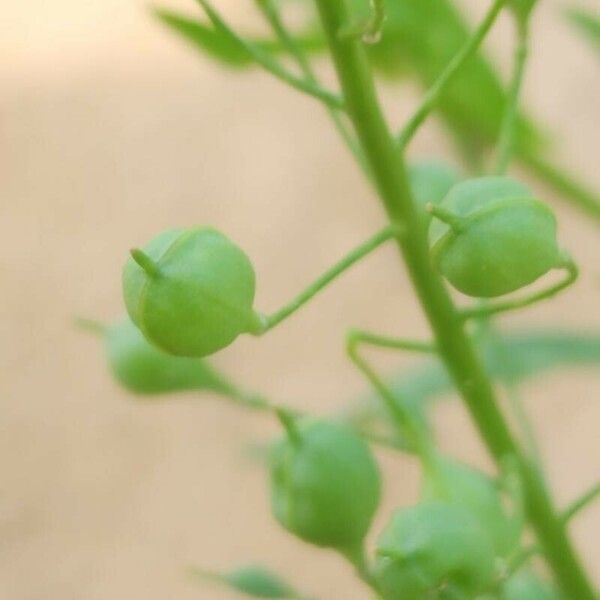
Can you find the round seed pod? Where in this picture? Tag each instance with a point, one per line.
(500, 238)
(190, 291)
(430, 181)
(325, 485)
(459, 484)
(526, 585)
(144, 369)
(431, 549)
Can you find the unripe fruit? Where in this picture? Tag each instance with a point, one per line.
(501, 239)
(145, 369)
(433, 549)
(473, 490)
(325, 485)
(193, 293)
(526, 585)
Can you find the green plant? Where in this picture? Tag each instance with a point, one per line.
(191, 293)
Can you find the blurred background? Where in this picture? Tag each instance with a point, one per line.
(112, 130)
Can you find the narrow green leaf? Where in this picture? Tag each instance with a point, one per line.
(252, 580)
(532, 353)
(587, 23)
(217, 43)
(540, 351)
(220, 45)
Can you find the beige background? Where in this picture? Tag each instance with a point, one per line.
(111, 130)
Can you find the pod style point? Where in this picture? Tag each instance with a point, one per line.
(191, 291)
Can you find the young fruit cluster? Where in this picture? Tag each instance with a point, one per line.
(191, 292)
(491, 237)
(325, 489)
(448, 545)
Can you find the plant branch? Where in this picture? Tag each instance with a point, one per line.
(356, 557)
(272, 16)
(350, 259)
(509, 121)
(433, 94)
(357, 336)
(488, 309)
(260, 403)
(405, 423)
(582, 502)
(269, 64)
(455, 347)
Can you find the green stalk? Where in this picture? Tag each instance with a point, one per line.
(457, 351)
(357, 558)
(582, 502)
(271, 13)
(269, 64)
(505, 150)
(509, 122)
(433, 94)
(332, 273)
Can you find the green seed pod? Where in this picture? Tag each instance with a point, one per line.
(494, 237)
(430, 181)
(325, 484)
(433, 549)
(526, 585)
(190, 291)
(144, 369)
(464, 486)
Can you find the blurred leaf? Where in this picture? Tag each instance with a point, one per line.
(533, 353)
(530, 354)
(226, 49)
(252, 580)
(587, 23)
(217, 43)
(144, 369)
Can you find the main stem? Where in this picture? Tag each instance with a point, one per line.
(454, 345)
